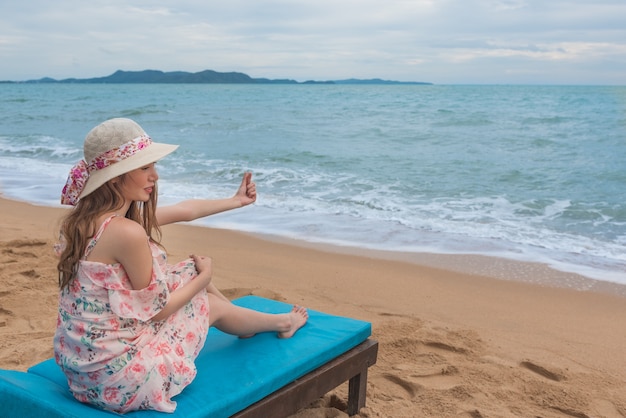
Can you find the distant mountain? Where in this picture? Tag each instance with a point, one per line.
(202, 77)
(155, 76)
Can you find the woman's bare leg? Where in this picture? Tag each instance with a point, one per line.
(236, 320)
(212, 289)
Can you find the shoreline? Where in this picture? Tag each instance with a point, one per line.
(452, 342)
(490, 266)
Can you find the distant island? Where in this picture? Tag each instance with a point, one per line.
(202, 77)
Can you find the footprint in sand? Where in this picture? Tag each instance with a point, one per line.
(439, 378)
(17, 247)
(415, 377)
(30, 273)
(441, 375)
(570, 412)
(19, 243)
(409, 387)
(4, 314)
(446, 347)
(542, 371)
(426, 358)
(426, 370)
(606, 408)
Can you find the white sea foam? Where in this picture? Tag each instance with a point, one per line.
(412, 169)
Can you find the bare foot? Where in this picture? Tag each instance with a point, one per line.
(298, 317)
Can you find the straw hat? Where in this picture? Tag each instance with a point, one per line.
(111, 149)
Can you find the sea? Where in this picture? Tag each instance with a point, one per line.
(524, 173)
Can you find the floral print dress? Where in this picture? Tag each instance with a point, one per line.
(112, 354)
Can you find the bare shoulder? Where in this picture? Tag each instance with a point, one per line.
(130, 241)
(126, 228)
(121, 238)
(128, 245)
(124, 235)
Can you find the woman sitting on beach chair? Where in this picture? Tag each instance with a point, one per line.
(130, 325)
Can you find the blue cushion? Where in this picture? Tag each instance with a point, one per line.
(233, 373)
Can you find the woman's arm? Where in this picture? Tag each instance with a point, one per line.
(125, 242)
(190, 210)
(181, 296)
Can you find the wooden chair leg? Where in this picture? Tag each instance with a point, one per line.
(357, 392)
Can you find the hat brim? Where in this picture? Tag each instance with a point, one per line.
(148, 155)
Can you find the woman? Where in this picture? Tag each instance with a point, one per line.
(130, 325)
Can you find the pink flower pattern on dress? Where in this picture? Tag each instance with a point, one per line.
(128, 362)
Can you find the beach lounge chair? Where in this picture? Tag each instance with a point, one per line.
(263, 376)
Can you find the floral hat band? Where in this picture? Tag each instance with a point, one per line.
(79, 174)
(110, 155)
(118, 154)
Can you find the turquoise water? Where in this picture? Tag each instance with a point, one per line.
(535, 173)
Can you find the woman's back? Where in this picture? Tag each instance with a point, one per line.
(112, 353)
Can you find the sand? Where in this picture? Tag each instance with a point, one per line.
(459, 336)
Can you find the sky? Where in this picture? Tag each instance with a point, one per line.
(437, 41)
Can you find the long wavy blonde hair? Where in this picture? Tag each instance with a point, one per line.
(79, 226)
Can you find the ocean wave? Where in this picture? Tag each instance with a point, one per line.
(530, 173)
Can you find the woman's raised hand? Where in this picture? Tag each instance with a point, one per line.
(247, 190)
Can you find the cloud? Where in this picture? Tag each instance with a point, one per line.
(443, 41)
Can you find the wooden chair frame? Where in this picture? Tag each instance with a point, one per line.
(351, 366)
